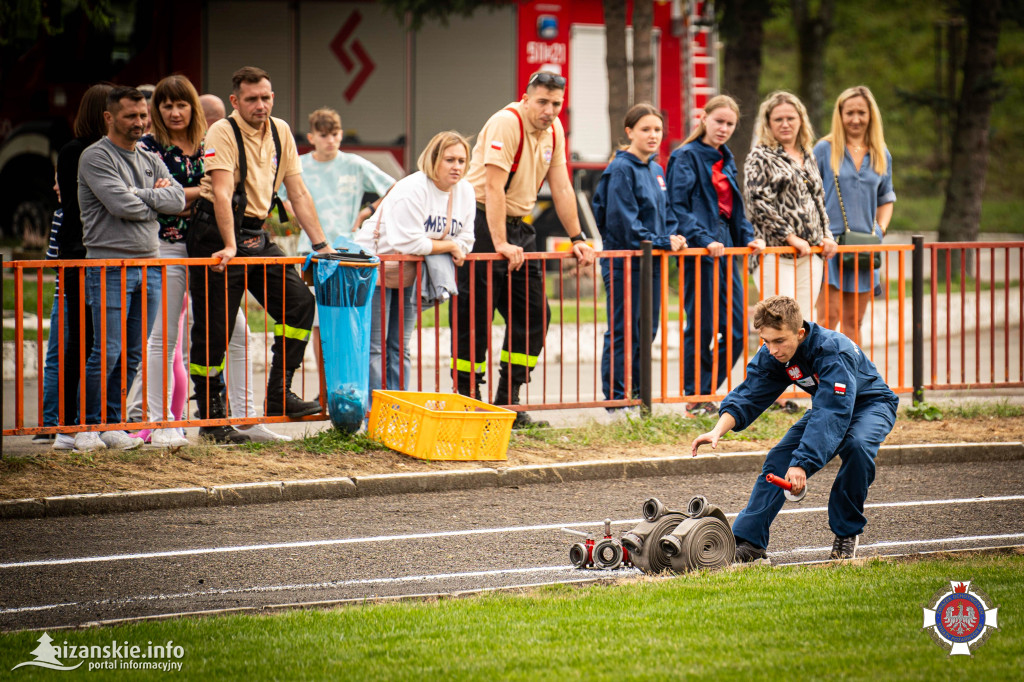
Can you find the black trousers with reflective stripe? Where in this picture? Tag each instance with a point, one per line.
(217, 295)
(520, 300)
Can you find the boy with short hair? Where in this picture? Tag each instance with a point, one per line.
(853, 410)
(336, 180)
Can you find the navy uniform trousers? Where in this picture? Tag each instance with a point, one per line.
(520, 300)
(613, 358)
(870, 424)
(708, 332)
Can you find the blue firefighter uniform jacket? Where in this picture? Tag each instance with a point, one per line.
(852, 411)
(694, 201)
(630, 204)
(829, 366)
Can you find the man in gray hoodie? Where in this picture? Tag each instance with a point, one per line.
(120, 191)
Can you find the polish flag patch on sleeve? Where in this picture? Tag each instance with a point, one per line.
(210, 153)
(497, 144)
(840, 389)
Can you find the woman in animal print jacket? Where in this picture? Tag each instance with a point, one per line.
(785, 200)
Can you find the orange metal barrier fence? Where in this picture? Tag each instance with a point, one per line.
(976, 299)
(973, 309)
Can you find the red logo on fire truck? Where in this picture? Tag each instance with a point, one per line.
(365, 66)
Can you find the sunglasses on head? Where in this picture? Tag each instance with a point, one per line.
(547, 80)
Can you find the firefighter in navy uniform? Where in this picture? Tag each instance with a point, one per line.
(852, 411)
(517, 149)
(269, 158)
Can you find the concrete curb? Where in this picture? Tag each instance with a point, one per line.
(466, 479)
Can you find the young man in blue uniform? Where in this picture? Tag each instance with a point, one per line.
(852, 411)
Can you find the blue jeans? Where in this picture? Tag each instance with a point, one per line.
(131, 317)
(398, 350)
(51, 373)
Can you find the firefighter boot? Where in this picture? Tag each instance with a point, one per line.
(280, 399)
(469, 385)
(508, 394)
(210, 402)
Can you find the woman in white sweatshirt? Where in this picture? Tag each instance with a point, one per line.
(413, 219)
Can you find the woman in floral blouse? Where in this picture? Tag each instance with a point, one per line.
(785, 200)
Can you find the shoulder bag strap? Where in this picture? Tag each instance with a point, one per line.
(274, 199)
(242, 168)
(846, 225)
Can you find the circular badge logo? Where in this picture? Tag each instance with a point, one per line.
(960, 618)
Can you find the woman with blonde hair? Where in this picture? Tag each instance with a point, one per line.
(707, 204)
(856, 169)
(413, 218)
(785, 200)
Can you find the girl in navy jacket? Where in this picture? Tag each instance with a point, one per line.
(630, 207)
(707, 203)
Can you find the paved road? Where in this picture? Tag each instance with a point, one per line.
(76, 570)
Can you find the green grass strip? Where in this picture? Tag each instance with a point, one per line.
(818, 622)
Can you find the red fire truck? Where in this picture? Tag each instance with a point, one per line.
(393, 88)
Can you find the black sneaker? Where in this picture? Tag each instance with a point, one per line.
(223, 434)
(746, 553)
(845, 548)
(525, 421)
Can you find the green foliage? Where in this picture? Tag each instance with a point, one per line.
(23, 20)
(922, 410)
(890, 47)
(849, 621)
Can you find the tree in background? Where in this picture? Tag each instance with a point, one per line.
(742, 26)
(961, 215)
(643, 58)
(617, 61)
(812, 32)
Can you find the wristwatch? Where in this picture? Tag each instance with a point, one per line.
(320, 245)
(577, 238)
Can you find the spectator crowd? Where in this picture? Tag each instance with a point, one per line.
(162, 172)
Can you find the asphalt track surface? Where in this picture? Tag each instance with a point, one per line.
(79, 570)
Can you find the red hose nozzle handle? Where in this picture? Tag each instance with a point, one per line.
(787, 487)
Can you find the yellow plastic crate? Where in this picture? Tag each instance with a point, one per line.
(440, 426)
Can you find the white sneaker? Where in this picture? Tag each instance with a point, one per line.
(258, 433)
(64, 441)
(167, 438)
(119, 440)
(87, 441)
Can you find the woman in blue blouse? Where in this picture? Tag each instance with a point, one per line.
(706, 201)
(855, 153)
(630, 208)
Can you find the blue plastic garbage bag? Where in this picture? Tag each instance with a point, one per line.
(344, 284)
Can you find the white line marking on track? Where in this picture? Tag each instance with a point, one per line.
(332, 584)
(904, 543)
(445, 534)
(303, 586)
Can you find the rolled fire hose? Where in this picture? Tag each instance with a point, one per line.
(681, 541)
(650, 558)
(706, 542)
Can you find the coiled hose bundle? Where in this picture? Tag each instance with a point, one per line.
(677, 541)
